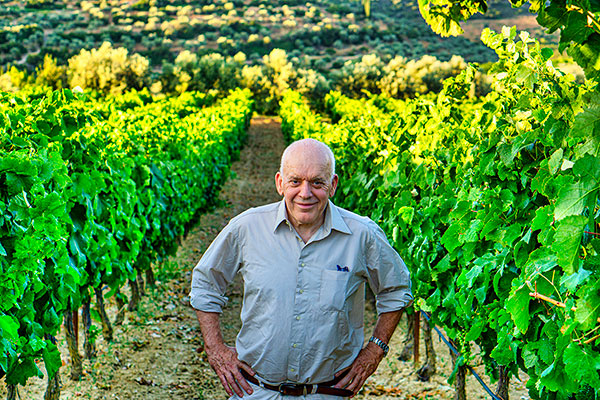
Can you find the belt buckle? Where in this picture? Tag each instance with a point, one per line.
(291, 389)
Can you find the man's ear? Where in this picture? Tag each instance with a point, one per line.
(279, 183)
(334, 182)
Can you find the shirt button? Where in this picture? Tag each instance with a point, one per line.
(292, 369)
(301, 291)
(297, 317)
(303, 264)
(294, 345)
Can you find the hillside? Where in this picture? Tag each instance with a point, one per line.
(320, 34)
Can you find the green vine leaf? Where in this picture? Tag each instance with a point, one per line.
(581, 365)
(52, 360)
(518, 306)
(568, 240)
(571, 200)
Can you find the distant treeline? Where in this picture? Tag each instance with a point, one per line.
(110, 70)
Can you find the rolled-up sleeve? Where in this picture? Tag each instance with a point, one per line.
(215, 271)
(388, 275)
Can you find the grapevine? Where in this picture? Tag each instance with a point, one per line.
(91, 194)
(486, 198)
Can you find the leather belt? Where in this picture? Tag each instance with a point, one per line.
(301, 389)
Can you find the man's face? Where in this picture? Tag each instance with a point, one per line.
(306, 185)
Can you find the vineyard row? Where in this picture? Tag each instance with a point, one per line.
(494, 205)
(92, 193)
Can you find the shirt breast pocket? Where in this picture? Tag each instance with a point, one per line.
(333, 289)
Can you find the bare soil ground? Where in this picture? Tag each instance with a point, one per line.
(158, 352)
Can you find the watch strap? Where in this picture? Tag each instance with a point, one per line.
(381, 344)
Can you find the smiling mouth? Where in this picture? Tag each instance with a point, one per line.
(305, 205)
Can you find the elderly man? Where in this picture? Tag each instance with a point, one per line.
(304, 264)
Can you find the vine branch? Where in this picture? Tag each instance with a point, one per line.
(560, 304)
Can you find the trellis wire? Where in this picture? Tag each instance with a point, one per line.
(453, 349)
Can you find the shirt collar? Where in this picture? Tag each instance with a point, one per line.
(281, 215)
(333, 219)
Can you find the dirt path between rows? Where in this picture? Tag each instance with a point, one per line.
(157, 353)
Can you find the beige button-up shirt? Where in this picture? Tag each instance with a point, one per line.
(303, 305)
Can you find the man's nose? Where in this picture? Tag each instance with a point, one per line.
(305, 189)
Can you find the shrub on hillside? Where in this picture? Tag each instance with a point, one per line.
(277, 74)
(435, 71)
(405, 79)
(269, 81)
(44, 4)
(400, 77)
(108, 69)
(51, 74)
(210, 71)
(312, 85)
(396, 82)
(356, 77)
(12, 79)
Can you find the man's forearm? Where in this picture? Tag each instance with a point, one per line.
(386, 325)
(210, 328)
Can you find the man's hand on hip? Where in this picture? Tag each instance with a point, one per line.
(371, 355)
(363, 366)
(224, 360)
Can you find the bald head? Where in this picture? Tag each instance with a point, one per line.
(309, 148)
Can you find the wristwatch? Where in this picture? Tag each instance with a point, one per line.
(380, 343)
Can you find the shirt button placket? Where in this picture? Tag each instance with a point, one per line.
(298, 324)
